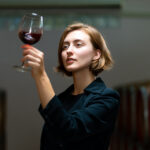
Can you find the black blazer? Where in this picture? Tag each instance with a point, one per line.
(89, 123)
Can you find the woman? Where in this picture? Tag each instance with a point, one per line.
(83, 116)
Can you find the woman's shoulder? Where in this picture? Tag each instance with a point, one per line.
(108, 99)
(111, 97)
(99, 88)
(99, 93)
(111, 93)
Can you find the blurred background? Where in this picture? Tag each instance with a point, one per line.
(125, 25)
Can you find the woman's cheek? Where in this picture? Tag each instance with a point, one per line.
(63, 57)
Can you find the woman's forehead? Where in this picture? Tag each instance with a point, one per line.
(77, 35)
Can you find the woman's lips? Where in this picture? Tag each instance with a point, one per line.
(70, 60)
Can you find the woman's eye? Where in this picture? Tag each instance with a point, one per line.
(78, 44)
(65, 47)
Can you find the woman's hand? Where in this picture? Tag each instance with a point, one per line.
(33, 58)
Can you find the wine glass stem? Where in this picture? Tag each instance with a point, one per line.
(22, 64)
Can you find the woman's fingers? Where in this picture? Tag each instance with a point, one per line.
(32, 56)
(26, 46)
(29, 50)
(32, 64)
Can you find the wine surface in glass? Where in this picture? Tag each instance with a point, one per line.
(29, 38)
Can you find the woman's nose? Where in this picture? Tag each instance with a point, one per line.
(70, 49)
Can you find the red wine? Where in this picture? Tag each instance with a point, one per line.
(29, 38)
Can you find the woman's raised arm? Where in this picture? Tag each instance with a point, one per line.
(34, 58)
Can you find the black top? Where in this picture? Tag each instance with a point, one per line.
(81, 122)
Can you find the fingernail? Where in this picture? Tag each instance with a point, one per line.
(25, 46)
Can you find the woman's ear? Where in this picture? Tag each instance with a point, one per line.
(97, 54)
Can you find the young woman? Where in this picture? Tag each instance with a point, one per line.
(83, 116)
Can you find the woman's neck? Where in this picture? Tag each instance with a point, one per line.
(81, 81)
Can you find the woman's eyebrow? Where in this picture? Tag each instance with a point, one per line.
(66, 42)
(76, 40)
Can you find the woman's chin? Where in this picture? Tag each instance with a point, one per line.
(70, 69)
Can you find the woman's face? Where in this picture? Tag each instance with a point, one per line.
(77, 51)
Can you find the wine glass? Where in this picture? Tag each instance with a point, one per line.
(30, 31)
